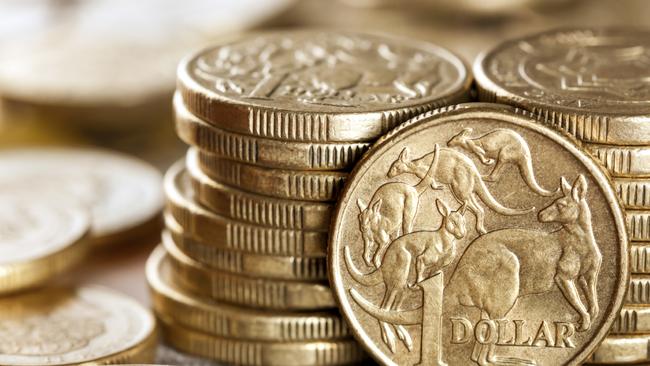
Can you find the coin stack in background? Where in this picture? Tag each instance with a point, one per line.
(275, 122)
(593, 84)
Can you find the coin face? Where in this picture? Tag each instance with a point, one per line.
(60, 326)
(319, 86)
(122, 193)
(602, 73)
(40, 237)
(474, 235)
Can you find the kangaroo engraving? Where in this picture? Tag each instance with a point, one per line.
(425, 252)
(500, 147)
(390, 214)
(457, 171)
(522, 262)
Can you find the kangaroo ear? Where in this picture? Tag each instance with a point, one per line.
(377, 206)
(579, 189)
(442, 208)
(404, 155)
(362, 206)
(566, 187)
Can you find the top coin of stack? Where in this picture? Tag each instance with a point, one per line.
(593, 84)
(275, 120)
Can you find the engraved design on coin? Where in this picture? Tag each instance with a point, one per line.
(525, 288)
(324, 69)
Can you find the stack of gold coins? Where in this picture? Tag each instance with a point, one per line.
(275, 121)
(594, 85)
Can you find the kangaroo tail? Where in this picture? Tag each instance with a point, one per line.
(367, 279)
(527, 172)
(403, 317)
(428, 179)
(485, 195)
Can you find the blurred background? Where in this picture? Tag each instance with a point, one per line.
(101, 73)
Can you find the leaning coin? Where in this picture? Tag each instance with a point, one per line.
(234, 235)
(249, 264)
(229, 321)
(319, 86)
(107, 183)
(40, 237)
(640, 258)
(263, 151)
(622, 161)
(638, 224)
(639, 290)
(633, 192)
(590, 82)
(72, 326)
(622, 350)
(254, 292)
(254, 208)
(633, 319)
(447, 249)
(250, 352)
(288, 184)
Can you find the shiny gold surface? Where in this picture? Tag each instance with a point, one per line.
(622, 350)
(546, 247)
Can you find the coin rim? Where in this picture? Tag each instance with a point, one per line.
(515, 116)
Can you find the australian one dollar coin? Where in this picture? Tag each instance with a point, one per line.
(473, 235)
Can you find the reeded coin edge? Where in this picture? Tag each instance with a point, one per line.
(461, 111)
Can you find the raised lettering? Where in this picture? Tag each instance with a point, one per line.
(461, 330)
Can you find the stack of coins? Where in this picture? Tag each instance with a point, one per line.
(593, 84)
(275, 122)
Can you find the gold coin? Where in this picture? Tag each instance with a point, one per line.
(633, 192)
(640, 258)
(249, 264)
(263, 151)
(40, 237)
(639, 290)
(622, 350)
(254, 208)
(319, 86)
(590, 82)
(250, 352)
(106, 183)
(638, 224)
(473, 236)
(254, 292)
(622, 161)
(286, 184)
(234, 235)
(229, 321)
(633, 319)
(169, 356)
(72, 326)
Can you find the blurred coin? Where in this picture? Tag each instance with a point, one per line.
(169, 356)
(622, 349)
(593, 83)
(123, 194)
(263, 294)
(229, 321)
(69, 56)
(233, 234)
(254, 208)
(633, 192)
(40, 237)
(319, 86)
(633, 319)
(640, 258)
(623, 161)
(263, 151)
(249, 264)
(71, 326)
(249, 352)
(288, 184)
(638, 224)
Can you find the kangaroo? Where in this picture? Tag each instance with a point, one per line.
(499, 148)
(428, 252)
(390, 214)
(457, 171)
(504, 265)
